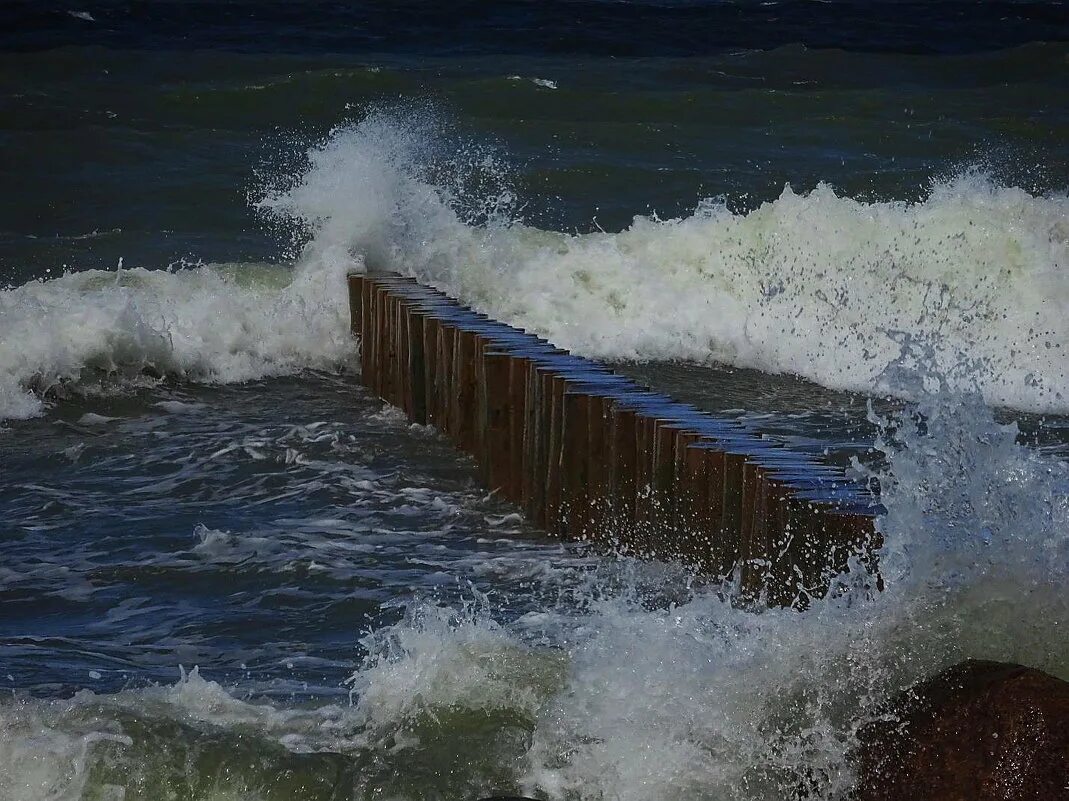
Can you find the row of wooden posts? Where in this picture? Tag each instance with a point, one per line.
(590, 454)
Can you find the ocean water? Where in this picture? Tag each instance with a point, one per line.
(228, 572)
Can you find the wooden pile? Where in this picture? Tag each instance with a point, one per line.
(589, 454)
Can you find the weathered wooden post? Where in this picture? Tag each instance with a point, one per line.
(575, 436)
(497, 437)
(622, 474)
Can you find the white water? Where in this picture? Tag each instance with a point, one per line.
(613, 697)
(607, 696)
(814, 284)
(215, 323)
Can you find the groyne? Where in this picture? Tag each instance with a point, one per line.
(589, 454)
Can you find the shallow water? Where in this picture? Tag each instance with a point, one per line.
(191, 526)
(201, 601)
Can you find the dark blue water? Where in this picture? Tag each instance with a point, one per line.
(625, 28)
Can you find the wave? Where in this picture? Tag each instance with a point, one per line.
(813, 284)
(615, 691)
(219, 323)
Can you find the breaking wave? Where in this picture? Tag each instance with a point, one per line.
(219, 323)
(619, 690)
(813, 284)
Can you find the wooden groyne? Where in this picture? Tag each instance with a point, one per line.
(589, 454)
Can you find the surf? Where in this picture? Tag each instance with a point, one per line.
(637, 682)
(813, 284)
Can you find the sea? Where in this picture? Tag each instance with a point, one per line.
(228, 572)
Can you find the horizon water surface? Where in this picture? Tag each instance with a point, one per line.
(228, 572)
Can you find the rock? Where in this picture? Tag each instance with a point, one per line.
(979, 731)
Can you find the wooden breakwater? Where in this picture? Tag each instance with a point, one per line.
(590, 454)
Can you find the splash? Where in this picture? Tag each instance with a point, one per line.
(236, 322)
(701, 699)
(216, 323)
(813, 284)
(443, 659)
(634, 684)
(162, 742)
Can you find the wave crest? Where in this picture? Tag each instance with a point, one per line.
(813, 284)
(213, 323)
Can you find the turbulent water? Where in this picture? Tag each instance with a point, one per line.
(227, 572)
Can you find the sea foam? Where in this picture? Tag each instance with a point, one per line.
(814, 283)
(214, 323)
(612, 691)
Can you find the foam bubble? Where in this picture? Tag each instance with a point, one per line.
(618, 691)
(701, 698)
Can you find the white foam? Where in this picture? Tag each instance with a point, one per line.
(94, 419)
(606, 694)
(442, 658)
(544, 83)
(213, 323)
(179, 407)
(49, 748)
(815, 284)
(702, 699)
(43, 757)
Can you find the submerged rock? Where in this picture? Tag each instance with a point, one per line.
(978, 731)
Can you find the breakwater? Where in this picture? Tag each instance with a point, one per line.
(589, 454)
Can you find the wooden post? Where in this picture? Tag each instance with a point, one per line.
(696, 505)
(598, 470)
(356, 289)
(575, 438)
(622, 469)
(497, 439)
(464, 390)
(554, 518)
(645, 512)
(517, 393)
(431, 329)
(531, 496)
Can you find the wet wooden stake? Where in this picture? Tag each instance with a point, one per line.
(663, 482)
(555, 400)
(622, 470)
(498, 435)
(695, 520)
(644, 538)
(575, 438)
(679, 534)
(444, 378)
(598, 469)
(356, 289)
(517, 393)
(464, 390)
(431, 329)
